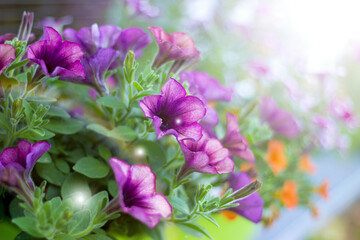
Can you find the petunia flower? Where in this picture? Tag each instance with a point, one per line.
(306, 164)
(276, 156)
(323, 189)
(177, 46)
(7, 55)
(7, 37)
(143, 7)
(235, 142)
(280, 121)
(137, 194)
(205, 156)
(95, 67)
(288, 194)
(55, 57)
(250, 207)
(343, 110)
(56, 23)
(174, 113)
(18, 162)
(110, 36)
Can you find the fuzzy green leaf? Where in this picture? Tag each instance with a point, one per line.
(91, 167)
(111, 102)
(65, 126)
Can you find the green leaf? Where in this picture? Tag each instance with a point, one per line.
(4, 122)
(123, 133)
(62, 165)
(113, 188)
(73, 184)
(97, 203)
(35, 135)
(63, 236)
(196, 228)
(138, 86)
(210, 219)
(41, 99)
(50, 173)
(104, 152)
(98, 129)
(79, 222)
(25, 236)
(15, 209)
(179, 204)
(65, 126)
(111, 102)
(58, 112)
(153, 151)
(91, 167)
(45, 158)
(145, 93)
(28, 224)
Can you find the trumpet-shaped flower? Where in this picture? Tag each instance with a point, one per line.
(7, 55)
(206, 156)
(288, 194)
(18, 162)
(174, 113)
(7, 37)
(137, 195)
(96, 67)
(307, 165)
(143, 7)
(323, 189)
(109, 36)
(55, 57)
(250, 207)
(280, 121)
(276, 157)
(177, 46)
(235, 142)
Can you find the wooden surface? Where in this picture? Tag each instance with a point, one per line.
(84, 12)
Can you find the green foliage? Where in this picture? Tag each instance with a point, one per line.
(91, 168)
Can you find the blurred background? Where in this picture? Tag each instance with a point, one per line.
(305, 53)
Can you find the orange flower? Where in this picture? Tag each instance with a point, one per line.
(288, 194)
(276, 157)
(314, 211)
(229, 215)
(323, 189)
(307, 165)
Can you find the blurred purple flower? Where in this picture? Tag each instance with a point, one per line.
(109, 36)
(95, 67)
(343, 110)
(258, 69)
(235, 142)
(58, 24)
(57, 58)
(250, 207)
(7, 37)
(174, 113)
(137, 194)
(205, 156)
(280, 121)
(177, 46)
(7, 55)
(142, 7)
(16, 163)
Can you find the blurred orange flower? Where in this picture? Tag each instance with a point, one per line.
(306, 164)
(288, 195)
(229, 215)
(276, 157)
(323, 189)
(314, 211)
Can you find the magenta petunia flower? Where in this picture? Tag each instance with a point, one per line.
(56, 23)
(205, 156)
(250, 207)
(174, 113)
(57, 58)
(235, 142)
(205, 87)
(18, 162)
(343, 110)
(96, 67)
(7, 55)
(137, 194)
(177, 46)
(280, 120)
(110, 36)
(7, 37)
(143, 7)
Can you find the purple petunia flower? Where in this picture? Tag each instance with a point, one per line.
(205, 156)
(7, 55)
(96, 67)
(142, 7)
(343, 110)
(205, 87)
(280, 121)
(235, 142)
(137, 194)
(7, 37)
(177, 46)
(109, 36)
(58, 24)
(18, 162)
(174, 113)
(57, 58)
(250, 207)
